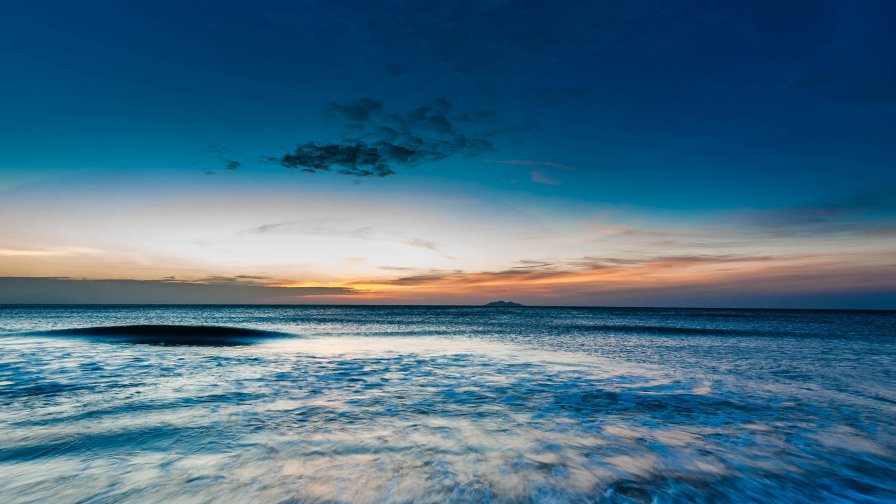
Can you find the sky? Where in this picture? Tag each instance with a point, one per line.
(586, 153)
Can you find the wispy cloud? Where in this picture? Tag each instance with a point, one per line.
(532, 162)
(886, 231)
(27, 253)
(224, 155)
(540, 177)
(47, 252)
(779, 218)
(584, 270)
(337, 228)
(235, 280)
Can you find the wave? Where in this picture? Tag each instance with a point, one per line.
(162, 334)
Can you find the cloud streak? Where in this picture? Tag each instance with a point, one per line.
(563, 274)
(48, 252)
(532, 162)
(213, 290)
(336, 228)
(540, 177)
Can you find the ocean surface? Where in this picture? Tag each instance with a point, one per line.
(445, 404)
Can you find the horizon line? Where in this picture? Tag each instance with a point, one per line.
(405, 305)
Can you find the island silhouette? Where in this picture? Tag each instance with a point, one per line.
(502, 304)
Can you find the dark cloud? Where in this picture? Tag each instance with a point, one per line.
(355, 158)
(378, 142)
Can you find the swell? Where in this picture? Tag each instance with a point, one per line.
(163, 334)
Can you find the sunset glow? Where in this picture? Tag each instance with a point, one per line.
(460, 190)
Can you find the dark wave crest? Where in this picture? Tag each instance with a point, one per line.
(160, 334)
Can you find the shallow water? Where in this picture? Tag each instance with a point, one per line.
(376, 404)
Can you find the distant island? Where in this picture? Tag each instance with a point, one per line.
(502, 304)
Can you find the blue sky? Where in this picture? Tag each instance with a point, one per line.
(513, 133)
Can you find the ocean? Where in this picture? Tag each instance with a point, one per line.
(333, 404)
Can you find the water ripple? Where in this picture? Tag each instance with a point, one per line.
(372, 419)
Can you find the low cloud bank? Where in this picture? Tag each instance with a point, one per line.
(46, 290)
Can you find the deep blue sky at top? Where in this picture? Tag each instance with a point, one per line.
(664, 105)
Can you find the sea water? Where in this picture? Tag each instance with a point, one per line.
(335, 404)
